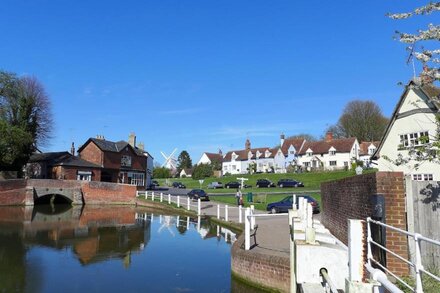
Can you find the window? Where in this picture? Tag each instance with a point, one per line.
(234, 167)
(345, 164)
(137, 179)
(125, 161)
(292, 152)
(414, 139)
(307, 164)
(371, 151)
(422, 177)
(84, 175)
(332, 153)
(309, 154)
(332, 163)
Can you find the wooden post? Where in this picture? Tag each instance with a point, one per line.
(239, 214)
(292, 254)
(247, 229)
(146, 194)
(161, 197)
(199, 208)
(218, 211)
(169, 198)
(178, 201)
(188, 206)
(252, 217)
(152, 195)
(226, 213)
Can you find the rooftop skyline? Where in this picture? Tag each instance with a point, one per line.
(205, 75)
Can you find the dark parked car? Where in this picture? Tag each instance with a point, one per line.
(264, 183)
(289, 183)
(285, 204)
(198, 193)
(178, 185)
(235, 184)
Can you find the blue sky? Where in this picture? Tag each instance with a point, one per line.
(200, 75)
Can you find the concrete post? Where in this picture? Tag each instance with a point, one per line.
(239, 214)
(218, 211)
(310, 232)
(294, 203)
(292, 253)
(199, 208)
(355, 251)
(226, 213)
(178, 201)
(247, 229)
(300, 207)
(252, 217)
(169, 198)
(161, 197)
(188, 206)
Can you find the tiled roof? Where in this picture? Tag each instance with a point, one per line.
(110, 146)
(61, 159)
(243, 154)
(363, 146)
(342, 145)
(296, 142)
(214, 157)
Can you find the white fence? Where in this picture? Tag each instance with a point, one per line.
(416, 265)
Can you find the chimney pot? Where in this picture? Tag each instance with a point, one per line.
(132, 139)
(329, 136)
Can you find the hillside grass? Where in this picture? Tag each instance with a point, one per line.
(312, 181)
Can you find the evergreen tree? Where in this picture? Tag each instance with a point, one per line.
(183, 161)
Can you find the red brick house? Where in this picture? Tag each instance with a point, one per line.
(121, 162)
(61, 165)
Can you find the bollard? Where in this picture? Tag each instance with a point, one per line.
(218, 211)
(161, 197)
(178, 201)
(152, 195)
(199, 207)
(239, 214)
(169, 198)
(247, 229)
(226, 213)
(188, 207)
(252, 217)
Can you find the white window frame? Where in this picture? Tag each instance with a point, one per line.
(413, 139)
(333, 163)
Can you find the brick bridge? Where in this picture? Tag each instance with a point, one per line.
(31, 191)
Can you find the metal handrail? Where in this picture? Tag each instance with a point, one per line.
(327, 280)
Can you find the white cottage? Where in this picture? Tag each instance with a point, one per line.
(413, 118)
(208, 158)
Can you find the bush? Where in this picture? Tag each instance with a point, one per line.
(161, 172)
(202, 171)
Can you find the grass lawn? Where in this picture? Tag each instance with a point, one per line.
(311, 180)
(260, 201)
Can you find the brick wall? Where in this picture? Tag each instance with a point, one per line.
(265, 270)
(13, 192)
(350, 198)
(95, 192)
(92, 154)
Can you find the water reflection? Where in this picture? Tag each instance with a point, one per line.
(44, 249)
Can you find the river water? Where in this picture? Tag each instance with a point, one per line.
(112, 249)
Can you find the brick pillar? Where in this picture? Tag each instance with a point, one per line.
(392, 186)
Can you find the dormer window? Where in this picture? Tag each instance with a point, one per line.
(266, 153)
(332, 153)
(250, 155)
(309, 153)
(371, 150)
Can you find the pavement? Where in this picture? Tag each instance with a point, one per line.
(272, 235)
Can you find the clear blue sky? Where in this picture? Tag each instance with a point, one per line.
(200, 75)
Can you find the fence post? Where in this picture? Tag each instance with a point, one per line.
(152, 195)
(355, 248)
(146, 194)
(226, 213)
(294, 202)
(418, 264)
(187, 223)
(218, 211)
(178, 201)
(169, 198)
(252, 217)
(369, 239)
(188, 206)
(177, 221)
(239, 214)
(161, 197)
(199, 207)
(247, 229)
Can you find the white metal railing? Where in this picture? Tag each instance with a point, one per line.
(416, 265)
(172, 200)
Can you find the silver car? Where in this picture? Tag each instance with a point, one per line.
(215, 185)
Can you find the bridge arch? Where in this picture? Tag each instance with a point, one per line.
(52, 198)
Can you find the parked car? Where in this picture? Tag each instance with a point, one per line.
(289, 183)
(178, 185)
(285, 204)
(215, 184)
(264, 183)
(198, 193)
(235, 184)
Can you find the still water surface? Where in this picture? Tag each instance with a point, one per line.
(112, 249)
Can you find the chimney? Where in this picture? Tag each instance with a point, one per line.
(282, 137)
(329, 136)
(220, 152)
(132, 139)
(100, 136)
(72, 149)
(141, 146)
(426, 76)
(247, 145)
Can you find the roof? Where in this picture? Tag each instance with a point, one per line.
(110, 146)
(295, 142)
(61, 159)
(342, 145)
(363, 146)
(214, 157)
(431, 92)
(187, 171)
(243, 154)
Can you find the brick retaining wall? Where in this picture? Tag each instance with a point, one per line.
(350, 198)
(95, 192)
(13, 192)
(268, 271)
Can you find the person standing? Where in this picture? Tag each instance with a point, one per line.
(237, 197)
